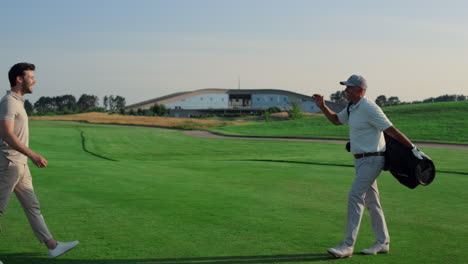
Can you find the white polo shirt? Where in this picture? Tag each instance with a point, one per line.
(366, 122)
(12, 109)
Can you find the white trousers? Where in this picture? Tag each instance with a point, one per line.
(364, 193)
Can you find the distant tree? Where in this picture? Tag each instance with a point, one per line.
(28, 107)
(45, 105)
(381, 100)
(339, 97)
(159, 109)
(87, 102)
(106, 102)
(111, 103)
(131, 112)
(65, 104)
(393, 101)
(114, 103)
(119, 103)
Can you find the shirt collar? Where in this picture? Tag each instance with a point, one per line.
(354, 106)
(16, 96)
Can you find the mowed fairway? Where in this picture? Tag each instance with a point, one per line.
(170, 198)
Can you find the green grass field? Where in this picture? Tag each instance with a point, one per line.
(169, 198)
(436, 122)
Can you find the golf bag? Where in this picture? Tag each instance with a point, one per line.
(405, 167)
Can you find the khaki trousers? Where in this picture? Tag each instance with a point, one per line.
(364, 193)
(17, 178)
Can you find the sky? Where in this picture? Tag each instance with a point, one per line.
(144, 49)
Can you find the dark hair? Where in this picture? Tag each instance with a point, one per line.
(18, 70)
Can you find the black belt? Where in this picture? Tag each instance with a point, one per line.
(358, 156)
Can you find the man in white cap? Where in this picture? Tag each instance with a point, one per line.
(14, 153)
(367, 122)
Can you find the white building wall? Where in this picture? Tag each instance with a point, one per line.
(265, 101)
(205, 101)
(259, 101)
(310, 107)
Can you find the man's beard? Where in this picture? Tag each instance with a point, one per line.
(26, 88)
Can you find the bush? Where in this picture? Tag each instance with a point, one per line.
(267, 115)
(296, 111)
(273, 110)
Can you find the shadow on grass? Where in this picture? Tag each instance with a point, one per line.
(334, 164)
(40, 258)
(299, 162)
(83, 145)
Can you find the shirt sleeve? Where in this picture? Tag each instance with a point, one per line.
(343, 116)
(7, 110)
(378, 118)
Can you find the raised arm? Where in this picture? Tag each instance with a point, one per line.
(332, 116)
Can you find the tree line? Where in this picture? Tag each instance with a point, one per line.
(339, 97)
(155, 110)
(67, 104)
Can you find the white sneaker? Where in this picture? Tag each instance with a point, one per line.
(376, 248)
(61, 248)
(341, 251)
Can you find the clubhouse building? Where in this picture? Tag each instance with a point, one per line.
(224, 101)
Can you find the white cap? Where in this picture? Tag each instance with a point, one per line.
(356, 80)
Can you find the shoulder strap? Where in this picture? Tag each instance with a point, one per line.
(347, 108)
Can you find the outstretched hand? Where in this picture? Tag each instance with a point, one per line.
(318, 99)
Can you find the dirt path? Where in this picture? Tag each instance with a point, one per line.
(208, 134)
